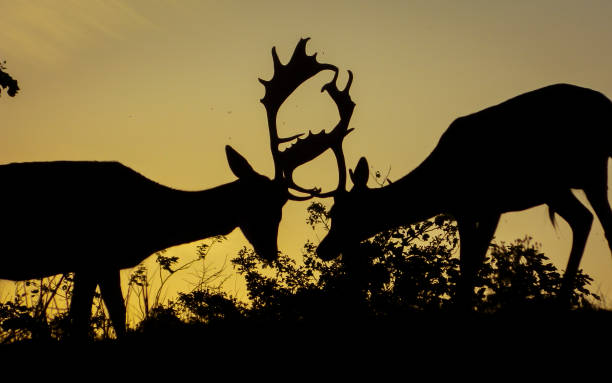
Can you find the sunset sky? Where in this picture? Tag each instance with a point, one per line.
(162, 86)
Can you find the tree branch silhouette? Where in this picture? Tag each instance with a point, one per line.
(7, 82)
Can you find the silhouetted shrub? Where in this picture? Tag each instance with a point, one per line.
(518, 276)
(406, 270)
(210, 306)
(38, 311)
(398, 274)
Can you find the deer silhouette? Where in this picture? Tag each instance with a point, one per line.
(527, 151)
(96, 218)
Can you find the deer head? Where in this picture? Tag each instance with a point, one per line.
(286, 79)
(347, 222)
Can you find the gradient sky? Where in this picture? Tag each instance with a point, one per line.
(162, 86)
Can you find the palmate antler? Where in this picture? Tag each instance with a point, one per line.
(286, 79)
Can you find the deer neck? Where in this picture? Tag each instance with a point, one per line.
(188, 216)
(414, 198)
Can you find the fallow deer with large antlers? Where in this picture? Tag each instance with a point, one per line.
(527, 151)
(96, 218)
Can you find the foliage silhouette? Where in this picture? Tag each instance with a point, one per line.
(402, 271)
(7, 82)
(149, 298)
(517, 277)
(40, 308)
(395, 277)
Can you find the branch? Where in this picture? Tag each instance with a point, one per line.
(9, 83)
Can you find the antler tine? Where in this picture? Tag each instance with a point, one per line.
(313, 145)
(286, 79)
(345, 105)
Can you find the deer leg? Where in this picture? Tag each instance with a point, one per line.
(110, 289)
(580, 220)
(80, 304)
(486, 229)
(467, 233)
(597, 194)
(475, 236)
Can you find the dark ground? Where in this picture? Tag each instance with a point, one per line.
(419, 348)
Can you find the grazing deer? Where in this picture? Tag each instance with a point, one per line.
(96, 218)
(527, 151)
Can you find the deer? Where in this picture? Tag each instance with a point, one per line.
(97, 218)
(527, 151)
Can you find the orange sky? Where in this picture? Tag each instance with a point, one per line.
(163, 86)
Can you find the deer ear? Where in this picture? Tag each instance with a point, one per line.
(361, 174)
(239, 165)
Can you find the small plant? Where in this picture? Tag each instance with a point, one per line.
(141, 286)
(39, 309)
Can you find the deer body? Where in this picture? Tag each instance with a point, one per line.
(47, 224)
(527, 151)
(96, 218)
